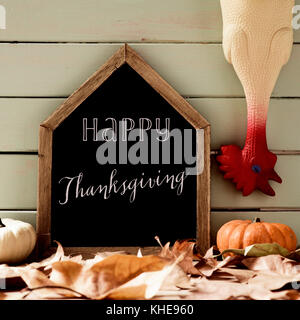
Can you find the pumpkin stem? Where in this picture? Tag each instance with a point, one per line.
(2, 225)
(256, 220)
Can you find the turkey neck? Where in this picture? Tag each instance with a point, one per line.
(256, 139)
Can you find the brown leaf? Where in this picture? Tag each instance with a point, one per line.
(274, 263)
(226, 290)
(136, 292)
(186, 245)
(122, 268)
(52, 292)
(209, 253)
(273, 271)
(39, 286)
(66, 273)
(14, 295)
(149, 284)
(7, 272)
(104, 276)
(241, 275)
(119, 276)
(273, 281)
(208, 266)
(288, 294)
(57, 256)
(184, 249)
(33, 277)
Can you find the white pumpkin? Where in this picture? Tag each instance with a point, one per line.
(17, 240)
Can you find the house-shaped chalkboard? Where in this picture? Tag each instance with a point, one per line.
(124, 159)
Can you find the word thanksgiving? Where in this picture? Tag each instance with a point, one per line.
(74, 185)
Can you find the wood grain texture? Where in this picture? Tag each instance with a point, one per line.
(115, 20)
(44, 189)
(89, 252)
(203, 198)
(193, 70)
(20, 119)
(20, 188)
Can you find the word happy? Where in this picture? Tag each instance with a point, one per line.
(74, 188)
(140, 141)
(125, 126)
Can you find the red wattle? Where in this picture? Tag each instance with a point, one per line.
(252, 167)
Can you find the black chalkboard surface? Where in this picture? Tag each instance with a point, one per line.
(119, 168)
(94, 220)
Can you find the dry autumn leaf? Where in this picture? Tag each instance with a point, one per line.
(225, 290)
(273, 271)
(167, 276)
(52, 292)
(7, 271)
(273, 281)
(240, 275)
(149, 284)
(102, 277)
(208, 266)
(13, 295)
(259, 250)
(274, 263)
(34, 278)
(184, 249)
(186, 245)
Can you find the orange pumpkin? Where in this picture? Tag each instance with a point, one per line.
(238, 234)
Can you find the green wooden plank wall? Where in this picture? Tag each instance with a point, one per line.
(45, 56)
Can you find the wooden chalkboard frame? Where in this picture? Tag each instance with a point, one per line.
(124, 55)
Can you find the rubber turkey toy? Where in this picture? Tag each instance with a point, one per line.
(257, 41)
